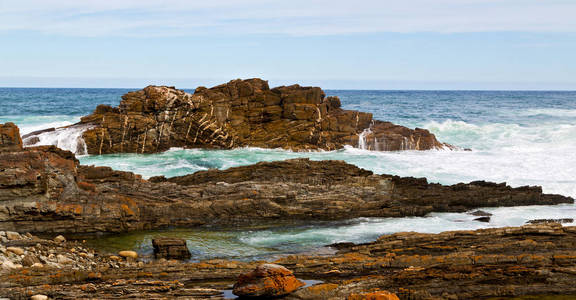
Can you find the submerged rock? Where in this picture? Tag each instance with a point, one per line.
(239, 113)
(171, 248)
(541, 221)
(483, 219)
(267, 280)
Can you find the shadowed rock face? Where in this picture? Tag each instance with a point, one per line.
(238, 114)
(45, 189)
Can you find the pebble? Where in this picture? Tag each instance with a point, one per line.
(11, 235)
(37, 265)
(39, 297)
(15, 250)
(127, 253)
(60, 239)
(61, 259)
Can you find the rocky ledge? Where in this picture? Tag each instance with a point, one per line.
(45, 189)
(500, 262)
(239, 113)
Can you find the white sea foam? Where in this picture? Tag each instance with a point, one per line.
(555, 112)
(66, 138)
(367, 229)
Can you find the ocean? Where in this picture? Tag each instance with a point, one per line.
(517, 137)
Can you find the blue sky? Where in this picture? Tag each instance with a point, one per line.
(410, 44)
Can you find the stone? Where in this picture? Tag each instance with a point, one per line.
(37, 265)
(11, 235)
(29, 260)
(483, 219)
(480, 213)
(15, 250)
(39, 297)
(62, 259)
(171, 248)
(128, 254)
(59, 239)
(267, 280)
(10, 139)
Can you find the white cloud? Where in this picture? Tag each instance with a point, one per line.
(296, 17)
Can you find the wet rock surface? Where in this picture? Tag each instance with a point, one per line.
(499, 262)
(171, 248)
(45, 189)
(240, 113)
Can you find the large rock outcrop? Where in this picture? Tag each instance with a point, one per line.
(238, 114)
(45, 189)
(538, 260)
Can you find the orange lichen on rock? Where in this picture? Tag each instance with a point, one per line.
(267, 280)
(377, 295)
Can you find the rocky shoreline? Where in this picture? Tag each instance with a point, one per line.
(45, 190)
(501, 262)
(240, 113)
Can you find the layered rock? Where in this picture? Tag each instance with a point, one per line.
(498, 262)
(170, 248)
(238, 114)
(10, 138)
(45, 189)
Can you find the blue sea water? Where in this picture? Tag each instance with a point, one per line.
(518, 137)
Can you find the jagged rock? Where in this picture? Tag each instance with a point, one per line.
(45, 189)
(10, 138)
(483, 219)
(267, 280)
(239, 113)
(170, 248)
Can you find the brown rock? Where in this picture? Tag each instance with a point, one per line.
(378, 295)
(10, 139)
(267, 280)
(170, 248)
(237, 114)
(41, 192)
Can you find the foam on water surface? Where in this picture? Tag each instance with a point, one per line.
(522, 138)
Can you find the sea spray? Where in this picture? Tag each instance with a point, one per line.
(66, 138)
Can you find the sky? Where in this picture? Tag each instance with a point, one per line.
(361, 44)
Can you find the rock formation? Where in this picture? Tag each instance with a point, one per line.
(238, 114)
(267, 281)
(537, 260)
(45, 189)
(171, 248)
(10, 138)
